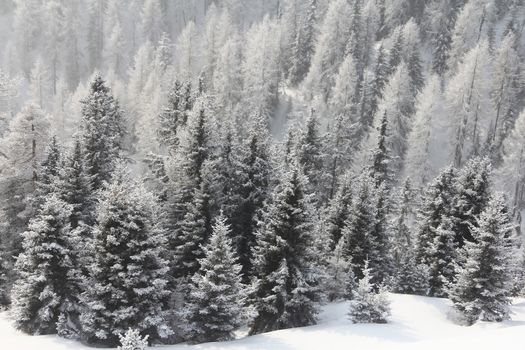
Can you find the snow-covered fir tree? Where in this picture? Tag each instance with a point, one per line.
(340, 281)
(369, 304)
(102, 132)
(482, 288)
(49, 282)
(285, 289)
(214, 306)
(128, 264)
(132, 340)
(433, 231)
(360, 223)
(473, 187)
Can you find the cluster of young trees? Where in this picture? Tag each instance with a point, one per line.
(174, 179)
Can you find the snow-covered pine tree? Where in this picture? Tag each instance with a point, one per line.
(76, 190)
(378, 82)
(482, 289)
(330, 48)
(76, 187)
(303, 46)
(369, 304)
(4, 293)
(285, 289)
(435, 241)
(48, 175)
(436, 204)
(23, 150)
(398, 105)
(360, 223)
(380, 167)
(443, 257)
(339, 283)
(49, 279)
(473, 188)
(411, 277)
(194, 230)
(132, 340)
(255, 173)
(380, 256)
(402, 216)
(102, 131)
(128, 276)
(309, 152)
(215, 303)
(337, 212)
(171, 119)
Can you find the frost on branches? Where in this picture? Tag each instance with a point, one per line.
(482, 289)
(215, 304)
(370, 303)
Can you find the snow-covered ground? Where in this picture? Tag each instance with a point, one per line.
(416, 323)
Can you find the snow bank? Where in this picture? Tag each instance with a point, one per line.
(416, 323)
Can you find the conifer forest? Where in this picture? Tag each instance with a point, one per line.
(180, 172)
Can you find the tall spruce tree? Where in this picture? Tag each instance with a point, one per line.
(482, 289)
(102, 132)
(255, 180)
(435, 241)
(337, 213)
(360, 224)
(49, 279)
(285, 288)
(188, 198)
(128, 276)
(215, 303)
(473, 187)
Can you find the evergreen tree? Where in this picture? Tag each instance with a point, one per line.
(171, 118)
(311, 158)
(255, 180)
(49, 280)
(189, 196)
(48, 177)
(132, 340)
(360, 224)
(368, 304)
(128, 265)
(285, 288)
(402, 235)
(442, 258)
(377, 85)
(337, 213)
(398, 105)
(411, 278)
(436, 205)
(380, 168)
(482, 289)
(102, 132)
(194, 230)
(214, 306)
(303, 46)
(76, 188)
(340, 282)
(473, 187)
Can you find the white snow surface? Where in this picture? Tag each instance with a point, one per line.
(416, 323)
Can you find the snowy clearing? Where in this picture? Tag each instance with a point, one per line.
(416, 323)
